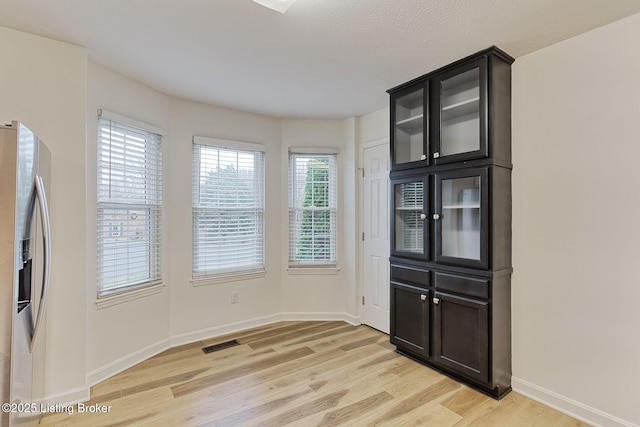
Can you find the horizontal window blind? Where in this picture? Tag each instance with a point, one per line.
(228, 210)
(129, 223)
(312, 209)
(409, 207)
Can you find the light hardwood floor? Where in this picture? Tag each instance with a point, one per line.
(303, 374)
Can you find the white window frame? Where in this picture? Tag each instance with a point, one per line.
(147, 198)
(207, 273)
(296, 209)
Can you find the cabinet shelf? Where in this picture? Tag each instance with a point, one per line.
(411, 125)
(461, 207)
(459, 109)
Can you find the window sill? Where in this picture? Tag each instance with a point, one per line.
(127, 296)
(228, 277)
(313, 271)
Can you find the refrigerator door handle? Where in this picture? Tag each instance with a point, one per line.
(46, 264)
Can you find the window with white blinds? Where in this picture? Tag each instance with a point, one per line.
(228, 209)
(129, 207)
(312, 209)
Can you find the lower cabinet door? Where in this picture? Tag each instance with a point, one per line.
(461, 335)
(410, 318)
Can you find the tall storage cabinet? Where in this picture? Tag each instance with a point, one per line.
(451, 220)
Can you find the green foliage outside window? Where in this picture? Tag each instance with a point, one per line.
(314, 241)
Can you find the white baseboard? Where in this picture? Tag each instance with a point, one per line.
(125, 362)
(567, 405)
(325, 316)
(80, 394)
(228, 328)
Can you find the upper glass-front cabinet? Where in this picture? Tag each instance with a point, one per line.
(443, 117)
(409, 123)
(462, 130)
(461, 218)
(409, 224)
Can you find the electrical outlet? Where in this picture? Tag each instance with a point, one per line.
(235, 297)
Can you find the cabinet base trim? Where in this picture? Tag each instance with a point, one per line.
(484, 390)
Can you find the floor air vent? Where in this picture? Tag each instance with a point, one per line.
(221, 346)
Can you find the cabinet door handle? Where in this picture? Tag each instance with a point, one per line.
(436, 301)
(423, 157)
(423, 297)
(436, 155)
(437, 216)
(423, 216)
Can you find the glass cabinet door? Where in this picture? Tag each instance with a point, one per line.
(409, 230)
(409, 124)
(461, 218)
(462, 130)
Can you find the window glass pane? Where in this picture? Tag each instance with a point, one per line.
(409, 226)
(460, 113)
(409, 124)
(461, 217)
(312, 209)
(228, 209)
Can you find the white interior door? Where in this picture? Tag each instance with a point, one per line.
(375, 223)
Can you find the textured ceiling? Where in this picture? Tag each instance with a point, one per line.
(322, 59)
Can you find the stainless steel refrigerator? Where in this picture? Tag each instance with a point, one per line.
(25, 261)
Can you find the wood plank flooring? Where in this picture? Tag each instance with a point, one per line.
(298, 374)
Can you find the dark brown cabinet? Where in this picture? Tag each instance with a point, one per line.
(461, 335)
(411, 324)
(451, 220)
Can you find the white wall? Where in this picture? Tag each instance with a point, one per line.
(140, 325)
(198, 312)
(576, 223)
(43, 85)
(374, 126)
(317, 296)
(350, 243)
